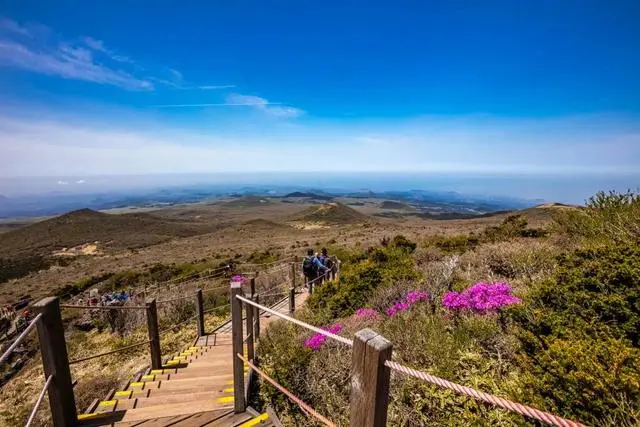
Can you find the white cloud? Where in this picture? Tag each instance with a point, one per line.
(261, 104)
(81, 181)
(50, 146)
(69, 63)
(99, 46)
(36, 49)
(11, 26)
(213, 87)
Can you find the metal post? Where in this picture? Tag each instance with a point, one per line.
(369, 397)
(200, 312)
(292, 300)
(236, 332)
(249, 313)
(293, 276)
(154, 334)
(256, 318)
(55, 361)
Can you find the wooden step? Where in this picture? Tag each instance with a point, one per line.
(220, 395)
(169, 410)
(184, 383)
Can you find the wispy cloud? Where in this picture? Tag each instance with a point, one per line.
(261, 104)
(99, 46)
(214, 87)
(220, 104)
(37, 49)
(69, 63)
(8, 25)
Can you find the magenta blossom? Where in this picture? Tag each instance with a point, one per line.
(481, 298)
(238, 278)
(316, 341)
(410, 299)
(366, 313)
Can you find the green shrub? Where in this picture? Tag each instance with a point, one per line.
(580, 333)
(455, 244)
(608, 217)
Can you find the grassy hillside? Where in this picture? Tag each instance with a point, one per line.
(330, 214)
(565, 338)
(38, 246)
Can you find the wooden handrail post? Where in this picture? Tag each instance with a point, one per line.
(200, 312)
(256, 318)
(154, 334)
(55, 361)
(369, 397)
(237, 347)
(293, 275)
(249, 324)
(252, 286)
(292, 300)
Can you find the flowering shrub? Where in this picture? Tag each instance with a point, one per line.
(481, 298)
(404, 305)
(316, 341)
(366, 313)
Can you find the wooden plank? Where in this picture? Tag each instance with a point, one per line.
(200, 312)
(154, 336)
(369, 397)
(55, 361)
(236, 321)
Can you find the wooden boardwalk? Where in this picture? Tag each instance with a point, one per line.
(195, 388)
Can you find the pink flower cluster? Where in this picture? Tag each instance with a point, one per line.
(366, 313)
(316, 341)
(481, 298)
(238, 278)
(404, 305)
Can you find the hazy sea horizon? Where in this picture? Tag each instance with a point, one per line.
(564, 188)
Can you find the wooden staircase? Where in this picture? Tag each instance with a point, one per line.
(194, 388)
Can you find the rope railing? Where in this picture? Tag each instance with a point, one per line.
(175, 299)
(485, 397)
(103, 307)
(34, 411)
(95, 356)
(172, 327)
(20, 338)
(215, 308)
(327, 334)
(306, 408)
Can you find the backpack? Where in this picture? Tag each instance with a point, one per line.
(309, 268)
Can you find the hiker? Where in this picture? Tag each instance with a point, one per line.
(330, 263)
(312, 268)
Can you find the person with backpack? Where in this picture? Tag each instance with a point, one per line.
(330, 263)
(312, 268)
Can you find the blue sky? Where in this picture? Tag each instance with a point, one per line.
(150, 87)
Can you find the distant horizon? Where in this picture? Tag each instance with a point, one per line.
(549, 187)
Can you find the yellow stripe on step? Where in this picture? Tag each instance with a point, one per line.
(225, 399)
(255, 421)
(227, 390)
(107, 403)
(157, 371)
(148, 377)
(138, 384)
(124, 393)
(93, 415)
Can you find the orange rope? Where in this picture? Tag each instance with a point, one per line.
(290, 395)
(486, 397)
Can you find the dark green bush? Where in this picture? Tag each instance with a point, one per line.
(580, 333)
(458, 244)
